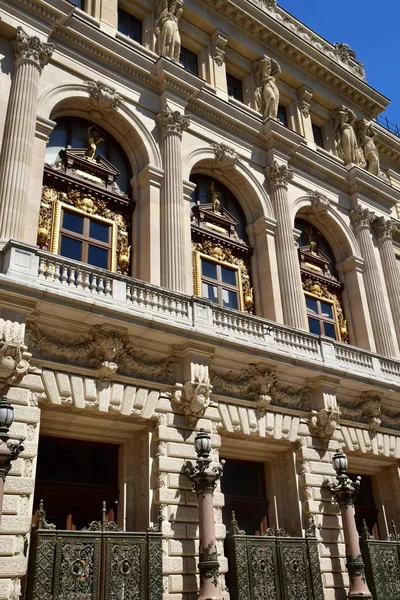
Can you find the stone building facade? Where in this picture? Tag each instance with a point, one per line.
(199, 228)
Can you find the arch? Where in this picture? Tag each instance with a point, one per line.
(124, 124)
(332, 226)
(240, 180)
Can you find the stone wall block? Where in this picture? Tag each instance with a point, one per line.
(19, 396)
(19, 485)
(6, 545)
(182, 583)
(183, 547)
(15, 524)
(13, 566)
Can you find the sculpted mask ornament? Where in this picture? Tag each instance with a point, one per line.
(319, 203)
(194, 397)
(166, 28)
(267, 72)
(14, 363)
(226, 156)
(103, 98)
(324, 423)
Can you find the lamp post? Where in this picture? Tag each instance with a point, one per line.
(345, 490)
(204, 477)
(9, 451)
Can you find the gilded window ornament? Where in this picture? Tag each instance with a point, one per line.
(318, 289)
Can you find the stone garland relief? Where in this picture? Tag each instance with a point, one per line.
(368, 408)
(90, 205)
(259, 385)
(104, 351)
(354, 141)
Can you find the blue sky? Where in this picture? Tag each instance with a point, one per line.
(371, 29)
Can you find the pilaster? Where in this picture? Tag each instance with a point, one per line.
(217, 63)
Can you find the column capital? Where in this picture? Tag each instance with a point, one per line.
(384, 228)
(279, 175)
(172, 122)
(362, 217)
(31, 49)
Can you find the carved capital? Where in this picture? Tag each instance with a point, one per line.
(31, 49)
(362, 217)
(279, 175)
(384, 228)
(324, 423)
(219, 41)
(194, 398)
(172, 122)
(103, 98)
(226, 156)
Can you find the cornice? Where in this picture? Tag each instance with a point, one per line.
(49, 13)
(262, 26)
(362, 182)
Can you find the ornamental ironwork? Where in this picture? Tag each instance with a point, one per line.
(101, 562)
(382, 564)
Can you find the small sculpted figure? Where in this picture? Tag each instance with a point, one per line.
(367, 143)
(345, 137)
(268, 72)
(166, 29)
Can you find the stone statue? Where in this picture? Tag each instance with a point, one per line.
(94, 138)
(267, 71)
(366, 139)
(345, 137)
(166, 28)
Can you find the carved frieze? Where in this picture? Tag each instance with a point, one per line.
(261, 386)
(107, 352)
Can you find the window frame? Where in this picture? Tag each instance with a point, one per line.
(228, 74)
(57, 231)
(198, 279)
(322, 319)
(132, 16)
(186, 49)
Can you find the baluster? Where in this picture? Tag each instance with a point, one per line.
(128, 292)
(86, 280)
(57, 266)
(71, 278)
(49, 270)
(100, 285)
(140, 299)
(42, 267)
(64, 274)
(78, 281)
(93, 282)
(108, 288)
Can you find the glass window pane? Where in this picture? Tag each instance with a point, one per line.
(72, 222)
(235, 88)
(71, 248)
(282, 115)
(210, 292)
(330, 330)
(327, 310)
(228, 275)
(318, 136)
(229, 299)
(209, 269)
(188, 60)
(98, 257)
(311, 304)
(314, 326)
(99, 231)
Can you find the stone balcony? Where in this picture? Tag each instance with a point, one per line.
(37, 275)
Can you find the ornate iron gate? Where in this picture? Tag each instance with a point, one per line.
(273, 566)
(382, 564)
(100, 563)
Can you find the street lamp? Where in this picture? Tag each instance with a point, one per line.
(9, 451)
(345, 490)
(204, 477)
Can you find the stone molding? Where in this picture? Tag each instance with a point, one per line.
(279, 175)
(31, 49)
(172, 122)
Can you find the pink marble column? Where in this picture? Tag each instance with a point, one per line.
(173, 259)
(293, 303)
(31, 56)
(362, 219)
(204, 476)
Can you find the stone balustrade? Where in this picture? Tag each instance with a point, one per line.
(32, 271)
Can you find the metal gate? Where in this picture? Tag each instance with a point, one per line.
(100, 563)
(382, 564)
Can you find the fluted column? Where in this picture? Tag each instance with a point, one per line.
(293, 303)
(384, 231)
(362, 219)
(173, 259)
(31, 56)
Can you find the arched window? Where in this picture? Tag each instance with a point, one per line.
(322, 287)
(86, 208)
(220, 248)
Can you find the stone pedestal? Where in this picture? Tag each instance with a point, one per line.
(173, 259)
(384, 230)
(362, 219)
(31, 56)
(293, 304)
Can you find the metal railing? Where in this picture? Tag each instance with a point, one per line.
(389, 125)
